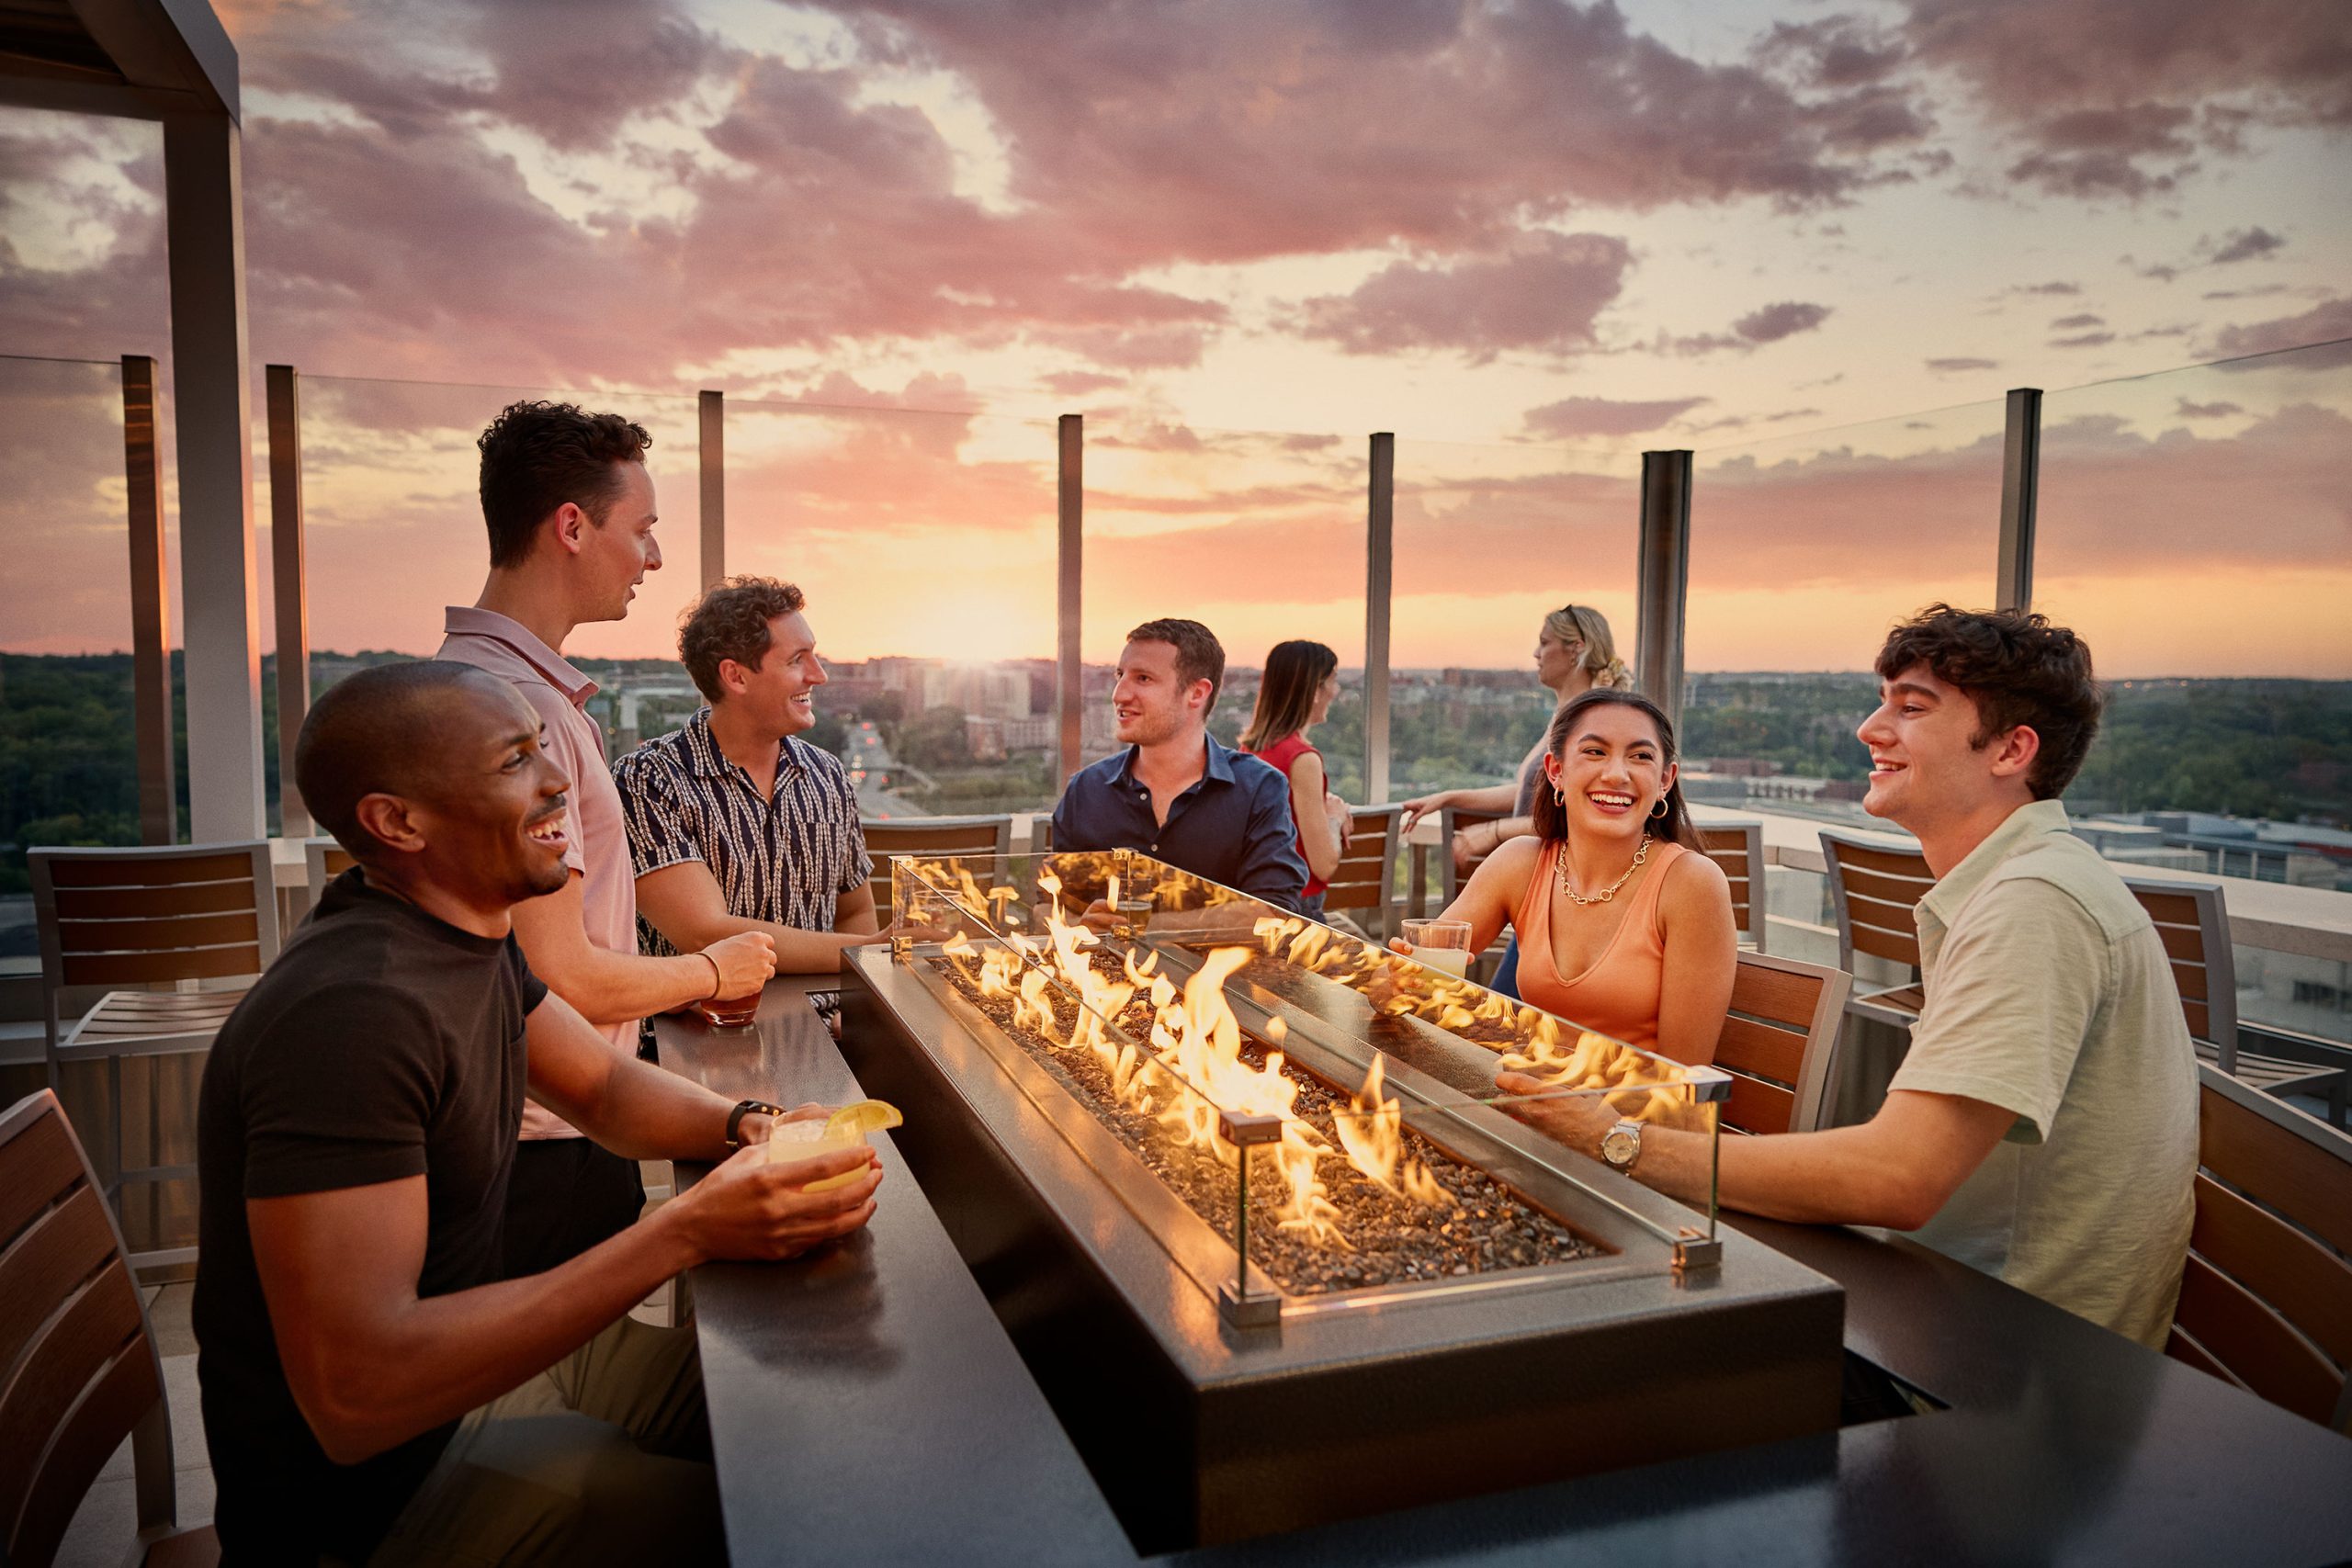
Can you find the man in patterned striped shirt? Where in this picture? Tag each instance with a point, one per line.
(735, 824)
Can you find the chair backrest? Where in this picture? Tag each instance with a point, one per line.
(2195, 929)
(1041, 834)
(116, 917)
(81, 1368)
(1873, 889)
(930, 836)
(1738, 848)
(327, 859)
(1366, 876)
(1451, 820)
(1780, 1044)
(2265, 1300)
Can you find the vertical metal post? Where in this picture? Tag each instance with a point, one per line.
(1069, 684)
(713, 488)
(213, 413)
(150, 607)
(1665, 577)
(1380, 559)
(2020, 484)
(290, 587)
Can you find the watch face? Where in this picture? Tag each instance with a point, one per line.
(1620, 1145)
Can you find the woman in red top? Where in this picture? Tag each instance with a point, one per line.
(1295, 695)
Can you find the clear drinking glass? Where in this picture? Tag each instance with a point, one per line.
(1442, 945)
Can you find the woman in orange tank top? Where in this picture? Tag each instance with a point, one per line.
(1621, 926)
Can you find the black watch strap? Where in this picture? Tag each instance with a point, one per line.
(735, 1119)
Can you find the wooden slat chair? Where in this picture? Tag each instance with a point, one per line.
(1366, 876)
(2194, 927)
(1041, 834)
(1780, 1044)
(121, 923)
(930, 836)
(326, 860)
(79, 1354)
(2266, 1300)
(1738, 848)
(1873, 889)
(1452, 819)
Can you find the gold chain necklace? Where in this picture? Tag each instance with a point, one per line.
(1641, 854)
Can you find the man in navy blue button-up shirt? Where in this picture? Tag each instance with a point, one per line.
(1174, 793)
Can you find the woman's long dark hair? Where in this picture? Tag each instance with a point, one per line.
(1551, 817)
(1286, 694)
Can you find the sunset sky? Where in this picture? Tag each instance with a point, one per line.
(1530, 237)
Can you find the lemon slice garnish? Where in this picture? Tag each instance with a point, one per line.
(862, 1119)
(856, 1121)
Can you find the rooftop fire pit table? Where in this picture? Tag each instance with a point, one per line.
(908, 1397)
(1243, 1193)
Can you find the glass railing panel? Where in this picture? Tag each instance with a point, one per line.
(2294, 992)
(1260, 535)
(1489, 541)
(924, 541)
(2191, 528)
(68, 745)
(1805, 549)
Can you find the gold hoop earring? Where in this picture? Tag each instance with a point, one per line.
(1661, 810)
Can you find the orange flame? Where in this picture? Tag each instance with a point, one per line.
(1372, 1131)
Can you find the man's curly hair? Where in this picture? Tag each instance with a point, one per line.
(731, 622)
(2017, 669)
(536, 456)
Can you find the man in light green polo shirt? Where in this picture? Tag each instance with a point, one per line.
(2044, 1126)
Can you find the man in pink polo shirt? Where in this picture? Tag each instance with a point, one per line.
(569, 508)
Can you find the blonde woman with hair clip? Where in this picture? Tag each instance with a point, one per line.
(1574, 654)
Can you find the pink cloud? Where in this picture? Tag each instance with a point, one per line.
(2328, 322)
(1544, 291)
(1573, 417)
(1077, 383)
(2119, 97)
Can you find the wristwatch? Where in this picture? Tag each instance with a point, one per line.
(1622, 1145)
(735, 1119)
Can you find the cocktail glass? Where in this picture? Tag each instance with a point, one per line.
(791, 1141)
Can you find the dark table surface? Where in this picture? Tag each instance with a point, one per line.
(865, 1407)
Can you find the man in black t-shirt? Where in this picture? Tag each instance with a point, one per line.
(369, 1393)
